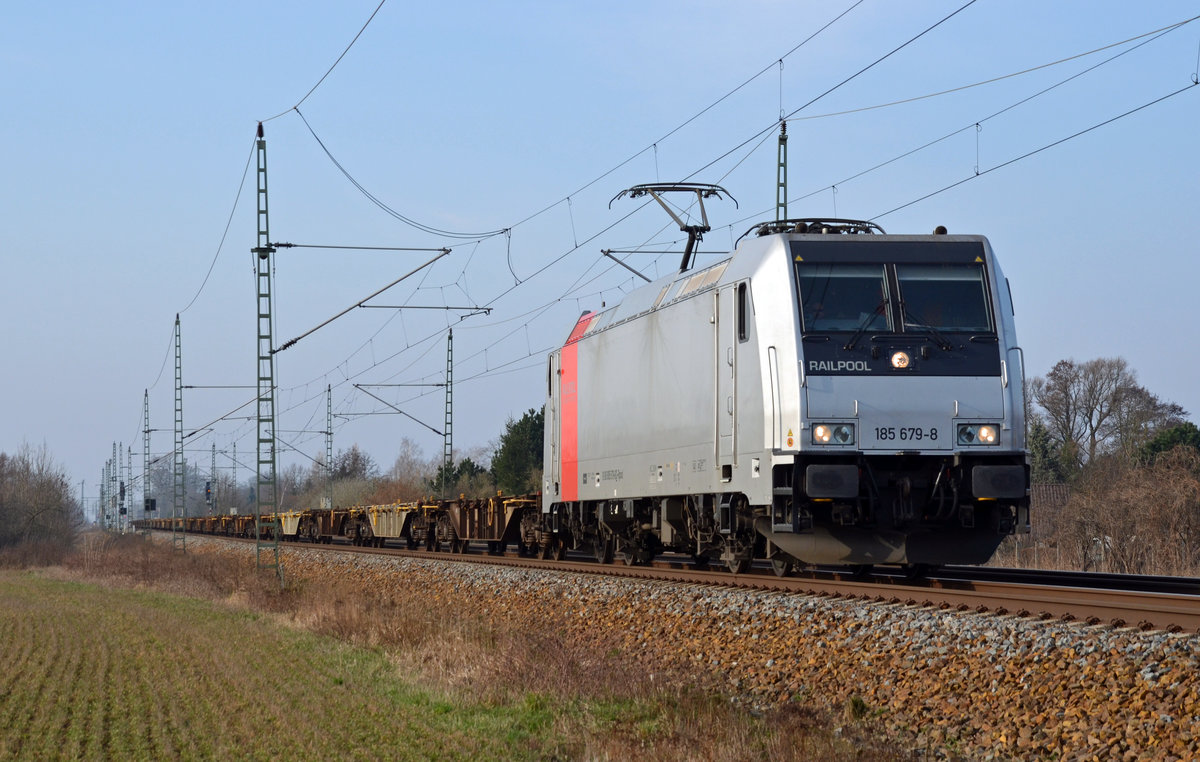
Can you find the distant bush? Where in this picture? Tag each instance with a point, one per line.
(39, 518)
(1127, 518)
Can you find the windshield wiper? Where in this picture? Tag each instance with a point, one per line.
(942, 342)
(865, 323)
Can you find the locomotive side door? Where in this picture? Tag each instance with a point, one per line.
(552, 442)
(725, 408)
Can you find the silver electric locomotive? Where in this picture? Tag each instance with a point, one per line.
(829, 394)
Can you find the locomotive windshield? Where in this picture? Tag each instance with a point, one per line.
(892, 287)
(843, 297)
(947, 297)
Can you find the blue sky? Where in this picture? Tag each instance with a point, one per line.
(127, 127)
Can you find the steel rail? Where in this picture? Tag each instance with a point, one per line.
(1169, 611)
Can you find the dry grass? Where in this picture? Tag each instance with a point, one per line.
(34, 554)
(408, 676)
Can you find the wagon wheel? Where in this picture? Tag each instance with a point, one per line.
(782, 565)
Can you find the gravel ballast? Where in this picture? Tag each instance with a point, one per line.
(942, 682)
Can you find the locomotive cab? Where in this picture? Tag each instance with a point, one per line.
(912, 443)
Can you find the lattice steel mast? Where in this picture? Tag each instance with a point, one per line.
(179, 502)
(328, 447)
(212, 482)
(781, 176)
(448, 438)
(102, 508)
(114, 478)
(265, 490)
(147, 494)
(234, 499)
(127, 491)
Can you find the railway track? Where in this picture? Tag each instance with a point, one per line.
(1148, 603)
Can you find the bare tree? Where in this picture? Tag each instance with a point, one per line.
(407, 477)
(291, 483)
(1139, 416)
(354, 464)
(36, 503)
(1098, 407)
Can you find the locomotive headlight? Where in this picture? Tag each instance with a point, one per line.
(901, 360)
(978, 434)
(833, 433)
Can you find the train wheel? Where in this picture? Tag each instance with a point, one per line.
(739, 553)
(602, 549)
(560, 549)
(782, 565)
(700, 561)
(913, 572)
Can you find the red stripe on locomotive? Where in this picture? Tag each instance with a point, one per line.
(569, 404)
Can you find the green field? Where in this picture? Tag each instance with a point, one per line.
(131, 650)
(94, 673)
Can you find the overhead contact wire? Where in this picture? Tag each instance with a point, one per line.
(387, 209)
(1156, 36)
(225, 233)
(694, 117)
(845, 81)
(335, 63)
(1156, 33)
(1038, 150)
